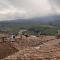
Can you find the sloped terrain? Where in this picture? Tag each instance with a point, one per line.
(44, 52)
(49, 50)
(6, 50)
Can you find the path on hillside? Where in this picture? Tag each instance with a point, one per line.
(51, 43)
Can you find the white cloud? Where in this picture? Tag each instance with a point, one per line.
(10, 9)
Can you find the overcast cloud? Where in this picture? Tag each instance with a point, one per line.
(11, 9)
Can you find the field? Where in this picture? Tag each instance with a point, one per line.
(16, 27)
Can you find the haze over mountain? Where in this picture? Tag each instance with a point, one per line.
(27, 9)
(38, 20)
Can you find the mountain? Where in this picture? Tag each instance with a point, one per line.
(37, 20)
(17, 24)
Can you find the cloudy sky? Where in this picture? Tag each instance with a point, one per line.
(11, 9)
